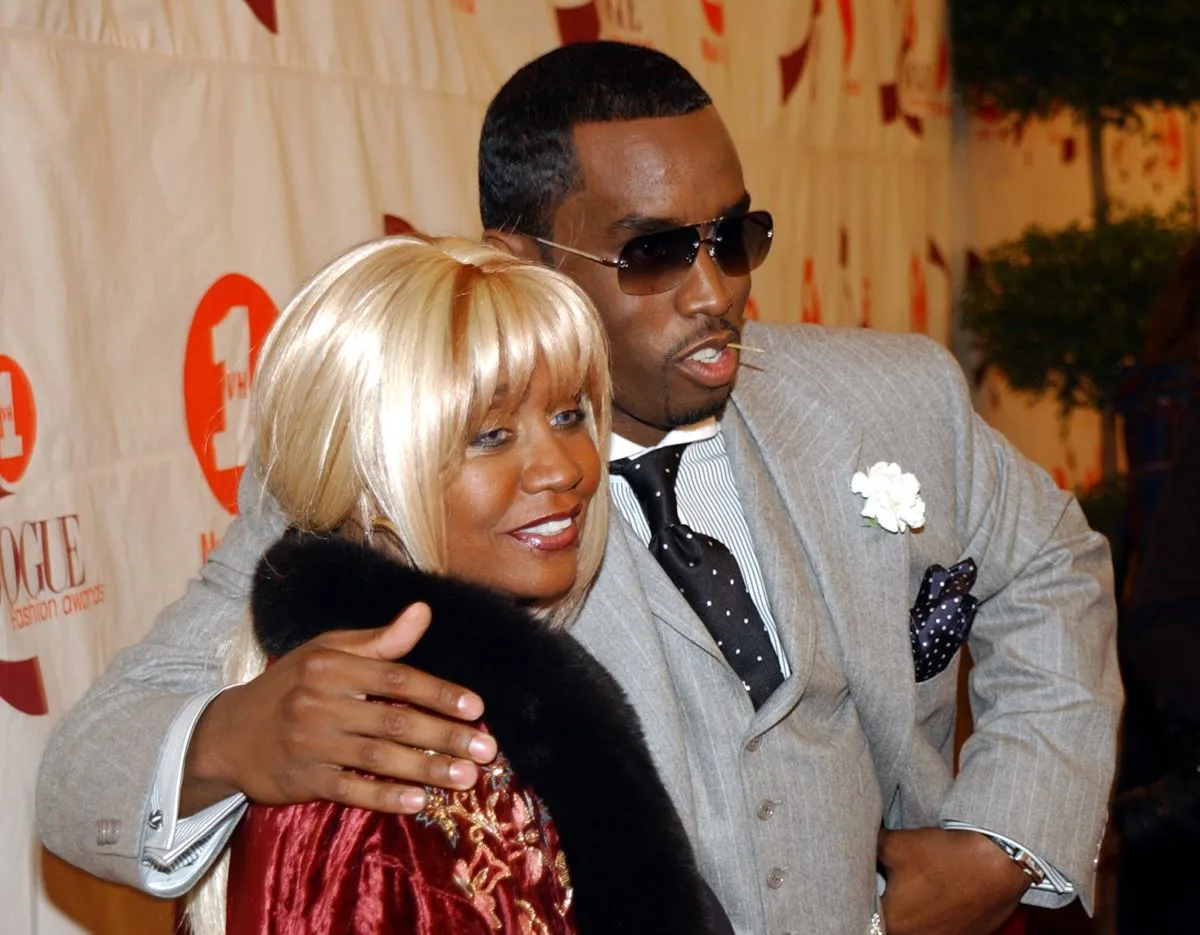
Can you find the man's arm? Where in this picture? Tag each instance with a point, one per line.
(1045, 691)
(947, 882)
(281, 737)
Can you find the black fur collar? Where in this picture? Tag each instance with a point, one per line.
(559, 717)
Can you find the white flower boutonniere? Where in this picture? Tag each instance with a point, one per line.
(893, 497)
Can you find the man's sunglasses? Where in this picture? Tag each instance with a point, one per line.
(657, 262)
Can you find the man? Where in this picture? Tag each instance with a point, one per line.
(610, 162)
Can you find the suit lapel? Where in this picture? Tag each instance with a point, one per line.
(619, 626)
(858, 572)
(665, 602)
(631, 572)
(789, 583)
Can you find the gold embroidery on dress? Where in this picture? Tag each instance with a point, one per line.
(564, 879)
(530, 923)
(500, 846)
(478, 879)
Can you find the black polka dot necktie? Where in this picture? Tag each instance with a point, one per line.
(705, 572)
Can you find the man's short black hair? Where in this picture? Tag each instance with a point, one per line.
(527, 164)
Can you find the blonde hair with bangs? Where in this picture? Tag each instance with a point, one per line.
(387, 363)
(371, 384)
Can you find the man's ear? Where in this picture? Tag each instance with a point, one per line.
(519, 245)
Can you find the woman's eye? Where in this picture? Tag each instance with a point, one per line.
(568, 418)
(491, 438)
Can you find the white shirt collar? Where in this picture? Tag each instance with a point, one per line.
(619, 447)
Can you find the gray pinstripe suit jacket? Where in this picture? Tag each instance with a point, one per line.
(783, 803)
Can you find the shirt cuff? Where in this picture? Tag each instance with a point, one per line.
(1052, 880)
(179, 850)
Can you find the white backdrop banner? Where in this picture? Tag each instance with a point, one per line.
(171, 170)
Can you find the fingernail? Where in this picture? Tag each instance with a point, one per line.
(413, 799)
(469, 705)
(482, 749)
(461, 773)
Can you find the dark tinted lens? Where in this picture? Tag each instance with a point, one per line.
(742, 242)
(656, 262)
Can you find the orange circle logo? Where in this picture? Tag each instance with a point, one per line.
(227, 332)
(18, 424)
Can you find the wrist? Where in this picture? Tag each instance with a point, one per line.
(1023, 859)
(208, 774)
(999, 863)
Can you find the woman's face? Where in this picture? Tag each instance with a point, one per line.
(515, 511)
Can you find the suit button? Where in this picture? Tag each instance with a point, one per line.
(766, 809)
(775, 877)
(754, 744)
(108, 832)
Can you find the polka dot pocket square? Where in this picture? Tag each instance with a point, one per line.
(942, 616)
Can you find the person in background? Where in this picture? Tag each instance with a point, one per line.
(1157, 807)
(802, 539)
(1155, 401)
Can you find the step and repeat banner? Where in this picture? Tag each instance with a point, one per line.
(170, 171)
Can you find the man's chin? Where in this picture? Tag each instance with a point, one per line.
(699, 414)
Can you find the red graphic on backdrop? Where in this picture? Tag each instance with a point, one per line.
(1161, 153)
(264, 12)
(943, 66)
(714, 13)
(846, 16)
(922, 76)
(42, 568)
(936, 258)
(810, 298)
(974, 264)
(712, 46)
(889, 102)
(918, 296)
(1171, 137)
(792, 65)
(21, 686)
(43, 576)
(751, 309)
(18, 424)
(393, 225)
(907, 43)
(227, 332)
(852, 309)
(623, 14)
(578, 23)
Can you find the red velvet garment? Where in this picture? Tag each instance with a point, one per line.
(482, 861)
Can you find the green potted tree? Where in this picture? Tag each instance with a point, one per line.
(1063, 312)
(1102, 59)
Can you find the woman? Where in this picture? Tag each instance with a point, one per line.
(427, 415)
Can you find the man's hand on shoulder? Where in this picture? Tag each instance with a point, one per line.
(947, 882)
(297, 732)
